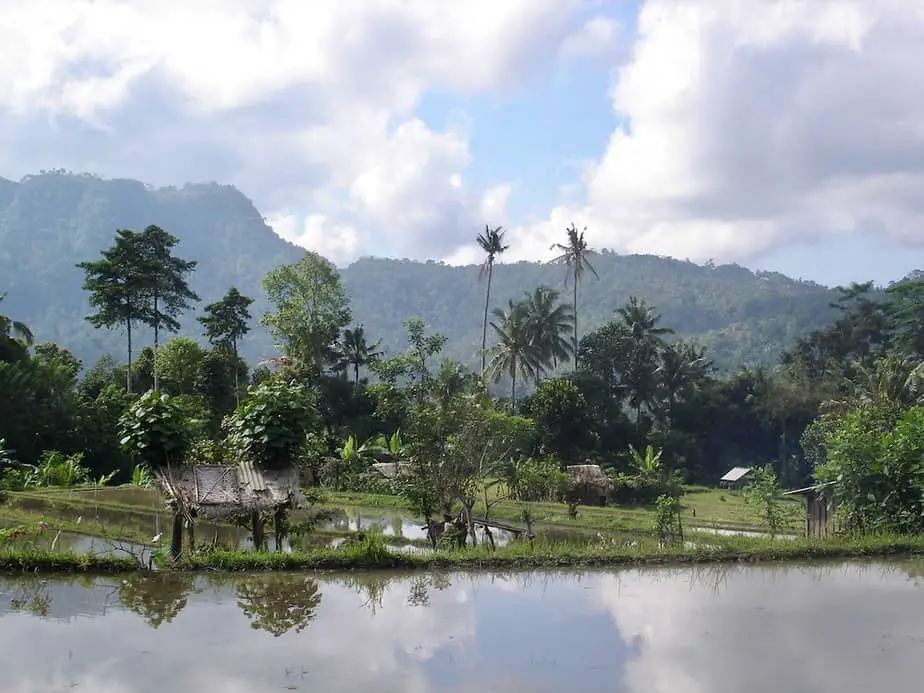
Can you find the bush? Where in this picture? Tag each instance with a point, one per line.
(154, 430)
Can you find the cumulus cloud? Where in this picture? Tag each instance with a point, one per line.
(749, 124)
(307, 107)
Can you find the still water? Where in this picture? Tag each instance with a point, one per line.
(839, 628)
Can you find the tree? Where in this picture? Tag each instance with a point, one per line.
(548, 321)
(355, 351)
(179, 362)
(119, 288)
(515, 352)
(154, 431)
(226, 322)
(492, 243)
(311, 309)
(14, 335)
(575, 256)
(167, 289)
(563, 419)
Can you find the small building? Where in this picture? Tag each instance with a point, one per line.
(218, 492)
(390, 470)
(819, 509)
(735, 478)
(588, 484)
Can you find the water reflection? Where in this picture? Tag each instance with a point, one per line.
(829, 628)
(159, 598)
(278, 603)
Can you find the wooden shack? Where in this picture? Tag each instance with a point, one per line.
(588, 485)
(735, 478)
(819, 509)
(219, 492)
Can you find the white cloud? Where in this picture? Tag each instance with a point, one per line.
(307, 107)
(752, 124)
(598, 37)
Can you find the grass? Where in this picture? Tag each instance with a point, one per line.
(714, 508)
(372, 554)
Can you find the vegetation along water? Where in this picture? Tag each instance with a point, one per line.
(552, 445)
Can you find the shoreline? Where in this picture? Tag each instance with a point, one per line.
(373, 556)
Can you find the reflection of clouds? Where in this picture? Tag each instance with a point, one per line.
(836, 629)
(210, 646)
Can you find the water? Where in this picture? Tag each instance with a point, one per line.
(842, 628)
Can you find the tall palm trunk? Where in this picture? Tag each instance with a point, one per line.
(484, 327)
(575, 345)
(513, 390)
(356, 372)
(237, 387)
(128, 373)
(156, 344)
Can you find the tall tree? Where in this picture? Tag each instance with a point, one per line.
(311, 309)
(492, 243)
(119, 288)
(226, 322)
(515, 352)
(575, 255)
(14, 335)
(168, 290)
(355, 351)
(549, 321)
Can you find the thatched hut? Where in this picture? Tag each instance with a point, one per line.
(389, 470)
(588, 485)
(219, 492)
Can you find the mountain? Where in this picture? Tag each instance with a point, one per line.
(51, 221)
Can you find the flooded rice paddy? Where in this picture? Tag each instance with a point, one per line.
(836, 628)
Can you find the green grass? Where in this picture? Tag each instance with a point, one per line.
(714, 508)
(372, 555)
(26, 560)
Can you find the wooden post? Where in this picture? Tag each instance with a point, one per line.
(279, 517)
(259, 538)
(176, 540)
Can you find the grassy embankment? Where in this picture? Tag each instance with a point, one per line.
(713, 508)
(374, 555)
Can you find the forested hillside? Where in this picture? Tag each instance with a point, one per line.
(51, 221)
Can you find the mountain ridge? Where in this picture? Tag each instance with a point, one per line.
(52, 220)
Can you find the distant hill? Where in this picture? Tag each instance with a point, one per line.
(51, 221)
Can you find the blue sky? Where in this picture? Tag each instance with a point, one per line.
(778, 136)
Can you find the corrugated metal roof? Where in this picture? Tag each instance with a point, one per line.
(735, 474)
(251, 477)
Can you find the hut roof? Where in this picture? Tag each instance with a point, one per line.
(389, 469)
(736, 474)
(588, 474)
(221, 491)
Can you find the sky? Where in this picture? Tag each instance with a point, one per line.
(781, 135)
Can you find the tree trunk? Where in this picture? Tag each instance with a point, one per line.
(176, 540)
(237, 387)
(256, 524)
(484, 328)
(469, 522)
(575, 345)
(278, 521)
(513, 391)
(156, 343)
(128, 375)
(356, 372)
(191, 539)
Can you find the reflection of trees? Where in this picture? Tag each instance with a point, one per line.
(156, 598)
(371, 587)
(278, 603)
(33, 598)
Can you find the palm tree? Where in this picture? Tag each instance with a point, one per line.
(642, 322)
(575, 256)
(492, 243)
(549, 321)
(355, 351)
(515, 352)
(13, 336)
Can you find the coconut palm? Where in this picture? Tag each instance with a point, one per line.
(492, 243)
(355, 351)
(515, 354)
(549, 322)
(575, 256)
(642, 321)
